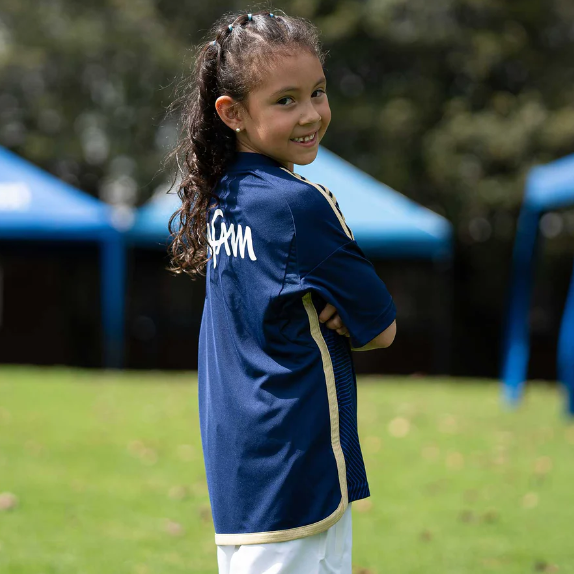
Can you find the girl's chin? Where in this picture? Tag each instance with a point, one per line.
(306, 159)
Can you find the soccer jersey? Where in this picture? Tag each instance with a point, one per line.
(277, 388)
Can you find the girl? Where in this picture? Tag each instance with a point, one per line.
(289, 295)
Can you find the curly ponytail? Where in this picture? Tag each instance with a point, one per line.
(231, 62)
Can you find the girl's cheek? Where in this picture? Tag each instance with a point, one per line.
(326, 117)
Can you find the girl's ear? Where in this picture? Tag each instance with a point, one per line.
(228, 110)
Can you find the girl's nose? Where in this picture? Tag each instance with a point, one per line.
(310, 115)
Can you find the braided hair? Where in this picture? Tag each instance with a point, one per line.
(231, 62)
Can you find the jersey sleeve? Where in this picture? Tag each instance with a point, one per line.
(331, 263)
(348, 280)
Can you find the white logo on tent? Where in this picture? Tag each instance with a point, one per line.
(14, 196)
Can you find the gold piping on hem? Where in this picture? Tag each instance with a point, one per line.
(339, 214)
(322, 525)
(282, 535)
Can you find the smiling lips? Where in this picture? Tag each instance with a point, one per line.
(308, 140)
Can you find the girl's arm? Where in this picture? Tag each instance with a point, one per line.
(331, 264)
(332, 320)
(382, 340)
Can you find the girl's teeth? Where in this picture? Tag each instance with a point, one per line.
(305, 139)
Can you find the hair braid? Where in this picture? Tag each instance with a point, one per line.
(233, 64)
(207, 147)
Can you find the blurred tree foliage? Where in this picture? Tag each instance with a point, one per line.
(449, 101)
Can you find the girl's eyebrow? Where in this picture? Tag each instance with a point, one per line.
(294, 88)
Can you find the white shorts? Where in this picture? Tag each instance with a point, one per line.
(328, 552)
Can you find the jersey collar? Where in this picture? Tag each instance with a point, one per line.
(249, 160)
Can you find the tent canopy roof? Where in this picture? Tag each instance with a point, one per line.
(551, 186)
(385, 223)
(35, 203)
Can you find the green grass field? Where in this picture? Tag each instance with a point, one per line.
(108, 474)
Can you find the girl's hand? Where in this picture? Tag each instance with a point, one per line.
(330, 317)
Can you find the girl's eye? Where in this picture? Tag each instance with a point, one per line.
(320, 90)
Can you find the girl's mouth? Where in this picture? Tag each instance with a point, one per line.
(308, 141)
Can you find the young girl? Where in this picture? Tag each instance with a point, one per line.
(289, 295)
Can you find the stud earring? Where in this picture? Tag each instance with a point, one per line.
(237, 129)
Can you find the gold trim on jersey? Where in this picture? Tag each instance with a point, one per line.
(322, 525)
(328, 195)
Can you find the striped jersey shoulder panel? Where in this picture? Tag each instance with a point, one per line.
(330, 197)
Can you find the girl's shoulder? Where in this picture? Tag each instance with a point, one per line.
(257, 178)
(310, 203)
(302, 195)
(273, 189)
(272, 193)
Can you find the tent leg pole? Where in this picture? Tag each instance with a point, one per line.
(516, 346)
(566, 351)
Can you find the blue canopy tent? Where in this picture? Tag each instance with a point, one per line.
(548, 187)
(385, 223)
(35, 205)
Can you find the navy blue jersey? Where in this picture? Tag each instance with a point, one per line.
(277, 388)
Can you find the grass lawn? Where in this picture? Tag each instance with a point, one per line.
(108, 474)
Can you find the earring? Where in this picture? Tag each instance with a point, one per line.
(237, 129)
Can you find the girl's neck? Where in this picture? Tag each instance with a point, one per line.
(288, 165)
